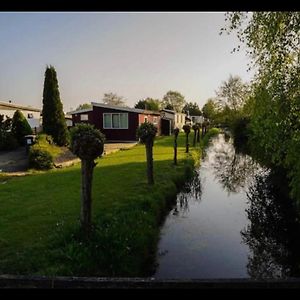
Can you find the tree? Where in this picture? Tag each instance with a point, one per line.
(272, 40)
(54, 122)
(195, 128)
(7, 139)
(20, 127)
(176, 132)
(87, 143)
(146, 132)
(187, 130)
(192, 109)
(209, 109)
(233, 93)
(84, 106)
(113, 99)
(148, 104)
(173, 100)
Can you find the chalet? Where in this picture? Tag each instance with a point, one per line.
(32, 115)
(116, 122)
(171, 119)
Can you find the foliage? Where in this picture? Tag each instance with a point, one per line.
(113, 99)
(39, 159)
(84, 106)
(210, 109)
(45, 143)
(146, 132)
(186, 128)
(273, 44)
(54, 122)
(192, 109)
(20, 127)
(87, 142)
(7, 139)
(148, 104)
(173, 100)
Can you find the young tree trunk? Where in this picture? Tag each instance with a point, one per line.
(87, 168)
(149, 155)
(187, 144)
(194, 140)
(175, 151)
(198, 135)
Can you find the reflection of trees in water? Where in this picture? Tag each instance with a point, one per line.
(191, 190)
(273, 233)
(233, 170)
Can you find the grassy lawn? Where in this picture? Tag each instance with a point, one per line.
(39, 214)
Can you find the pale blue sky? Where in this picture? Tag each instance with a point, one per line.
(135, 55)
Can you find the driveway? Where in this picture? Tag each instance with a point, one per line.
(17, 160)
(13, 161)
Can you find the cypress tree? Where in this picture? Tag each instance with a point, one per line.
(54, 122)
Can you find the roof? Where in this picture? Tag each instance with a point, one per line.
(80, 111)
(8, 105)
(136, 110)
(171, 111)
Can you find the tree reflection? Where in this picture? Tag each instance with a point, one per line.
(233, 170)
(192, 190)
(273, 232)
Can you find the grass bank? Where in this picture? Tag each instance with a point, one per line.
(39, 215)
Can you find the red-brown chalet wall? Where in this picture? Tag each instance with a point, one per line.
(150, 118)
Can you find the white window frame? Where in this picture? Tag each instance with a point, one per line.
(84, 117)
(112, 122)
(154, 120)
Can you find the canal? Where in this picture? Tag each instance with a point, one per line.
(230, 221)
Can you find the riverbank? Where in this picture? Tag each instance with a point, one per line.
(39, 225)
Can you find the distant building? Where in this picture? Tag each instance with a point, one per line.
(116, 122)
(171, 119)
(32, 115)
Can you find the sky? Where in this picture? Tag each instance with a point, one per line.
(134, 54)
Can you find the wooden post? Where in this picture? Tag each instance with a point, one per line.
(149, 156)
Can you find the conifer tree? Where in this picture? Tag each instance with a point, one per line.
(20, 127)
(54, 122)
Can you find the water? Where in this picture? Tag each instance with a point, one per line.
(229, 222)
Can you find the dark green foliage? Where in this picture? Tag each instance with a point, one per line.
(192, 108)
(186, 128)
(148, 104)
(84, 106)
(146, 132)
(173, 100)
(54, 122)
(87, 142)
(40, 159)
(7, 139)
(20, 127)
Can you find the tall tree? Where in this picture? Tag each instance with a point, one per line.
(272, 40)
(173, 100)
(54, 122)
(210, 109)
(113, 99)
(149, 104)
(84, 106)
(233, 93)
(192, 108)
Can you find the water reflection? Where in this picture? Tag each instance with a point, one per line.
(273, 234)
(233, 170)
(191, 190)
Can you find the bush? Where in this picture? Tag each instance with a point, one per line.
(20, 127)
(8, 141)
(40, 159)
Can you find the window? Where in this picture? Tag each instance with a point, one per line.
(30, 116)
(84, 117)
(154, 120)
(115, 121)
(146, 119)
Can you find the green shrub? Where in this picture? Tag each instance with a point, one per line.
(8, 141)
(20, 127)
(40, 159)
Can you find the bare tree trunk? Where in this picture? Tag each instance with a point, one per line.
(149, 155)
(187, 144)
(87, 167)
(194, 140)
(175, 151)
(198, 135)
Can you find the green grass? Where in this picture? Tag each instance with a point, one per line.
(39, 214)
(54, 150)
